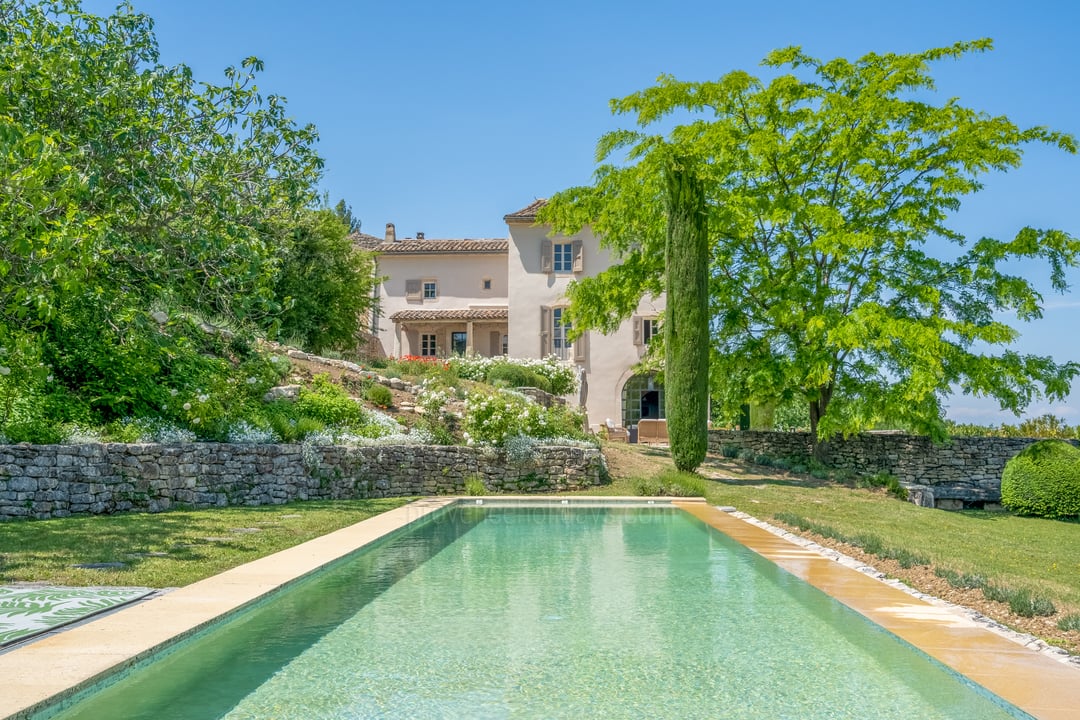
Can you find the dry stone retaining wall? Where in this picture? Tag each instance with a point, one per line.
(43, 481)
(965, 471)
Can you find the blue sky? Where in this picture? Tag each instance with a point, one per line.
(443, 117)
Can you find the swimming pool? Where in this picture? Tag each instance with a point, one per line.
(500, 611)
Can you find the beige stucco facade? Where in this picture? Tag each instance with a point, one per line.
(438, 297)
(607, 360)
(507, 295)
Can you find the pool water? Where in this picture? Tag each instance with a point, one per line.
(525, 612)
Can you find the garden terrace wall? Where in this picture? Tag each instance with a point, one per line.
(963, 472)
(44, 481)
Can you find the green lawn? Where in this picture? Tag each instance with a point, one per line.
(168, 549)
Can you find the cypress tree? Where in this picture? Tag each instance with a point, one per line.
(686, 320)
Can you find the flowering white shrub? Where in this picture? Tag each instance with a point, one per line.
(562, 376)
(244, 432)
(492, 418)
(519, 449)
(155, 430)
(382, 423)
(432, 397)
(78, 435)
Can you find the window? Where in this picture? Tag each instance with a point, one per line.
(485, 284)
(563, 257)
(506, 345)
(427, 345)
(559, 329)
(642, 397)
(458, 342)
(555, 328)
(431, 290)
(645, 329)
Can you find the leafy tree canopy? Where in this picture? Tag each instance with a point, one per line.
(325, 284)
(835, 277)
(131, 195)
(345, 213)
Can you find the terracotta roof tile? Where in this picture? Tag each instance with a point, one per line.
(479, 246)
(365, 241)
(527, 213)
(488, 313)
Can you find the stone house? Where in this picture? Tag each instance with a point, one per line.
(507, 296)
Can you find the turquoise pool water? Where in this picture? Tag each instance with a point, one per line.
(523, 612)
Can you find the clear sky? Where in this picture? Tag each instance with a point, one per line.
(442, 117)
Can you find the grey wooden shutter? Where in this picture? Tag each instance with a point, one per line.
(581, 348)
(413, 289)
(545, 331)
(638, 333)
(579, 259)
(546, 255)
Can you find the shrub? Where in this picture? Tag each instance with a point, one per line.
(1043, 480)
(730, 451)
(961, 580)
(1070, 622)
(491, 418)
(1024, 604)
(379, 395)
(474, 485)
(763, 459)
(561, 378)
(516, 376)
(328, 403)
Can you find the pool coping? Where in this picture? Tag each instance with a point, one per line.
(44, 672)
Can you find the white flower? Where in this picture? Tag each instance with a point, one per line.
(196, 421)
(204, 398)
(187, 406)
(173, 392)
(4, 370)
(251, 381)
(48, 378)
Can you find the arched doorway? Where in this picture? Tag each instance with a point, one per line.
(642, 397)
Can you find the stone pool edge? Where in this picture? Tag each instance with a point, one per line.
(1037, 684)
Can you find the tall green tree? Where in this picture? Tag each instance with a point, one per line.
(686, 319)
(130, 190)
(325, 284)
(345, 213)
(835, 276)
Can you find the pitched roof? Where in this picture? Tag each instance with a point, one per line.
(487, 313)
(365, 241)
(527, 213)
(468, 246)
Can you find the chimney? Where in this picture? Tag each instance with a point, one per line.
(391, 236)
(419, 236)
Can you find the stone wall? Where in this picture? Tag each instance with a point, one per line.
(44, 481)
(965, 471)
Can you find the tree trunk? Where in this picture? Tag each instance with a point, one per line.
(818, 407)
(686, 320)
